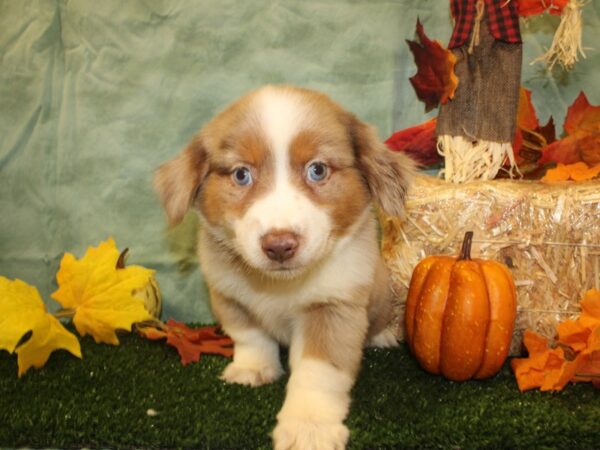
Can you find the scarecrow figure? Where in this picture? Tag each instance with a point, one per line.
(476, 128)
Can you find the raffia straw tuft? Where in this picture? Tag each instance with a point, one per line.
(566, 44)
(467, 160)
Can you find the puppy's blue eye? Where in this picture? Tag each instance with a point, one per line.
(242, 176)
(316, 172)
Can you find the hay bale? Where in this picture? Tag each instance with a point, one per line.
(548, 235)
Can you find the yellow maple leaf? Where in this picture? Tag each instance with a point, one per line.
(22, 310)
(100, 295)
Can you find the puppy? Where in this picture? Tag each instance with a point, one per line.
(284, 181)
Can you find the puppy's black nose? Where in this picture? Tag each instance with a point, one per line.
(279, 245)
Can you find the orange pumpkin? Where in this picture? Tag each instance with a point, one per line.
(460, 315)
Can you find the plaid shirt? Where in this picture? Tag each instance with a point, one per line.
(503, 20)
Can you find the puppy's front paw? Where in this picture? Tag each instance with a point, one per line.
(293, 434)
(384, 339)
(251, 376)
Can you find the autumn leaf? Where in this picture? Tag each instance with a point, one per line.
(590, 307)
(101, 296)
(584, 366)
(579, 171)
(419, 141)
(582, 140)
(582, 117)
(22, 311)
(574, 357)
(190, 343)
(526, 144)
(435, 81)
(548, 131)
(526, 115)
(530, 138)
(572, 149)
(588, 361)
(573, 334)
(542, 362)
(559, 173)
(535, 7)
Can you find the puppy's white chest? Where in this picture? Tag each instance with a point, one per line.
(278, 303)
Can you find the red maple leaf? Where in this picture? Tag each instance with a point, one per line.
(530, 138)
(435, 80)
(535, 7)
(548, 131)
(582, 140)
(419, 141)
(582, 117)
(190, 343)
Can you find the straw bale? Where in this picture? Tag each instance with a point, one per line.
(547, 234)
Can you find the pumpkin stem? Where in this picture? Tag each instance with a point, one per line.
(122, 257)
(465, 252)
(64, 313)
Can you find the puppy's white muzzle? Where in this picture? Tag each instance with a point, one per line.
(283, 231)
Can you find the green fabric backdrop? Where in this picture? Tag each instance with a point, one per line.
(95, 95)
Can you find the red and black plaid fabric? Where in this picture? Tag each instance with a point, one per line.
(503, 20)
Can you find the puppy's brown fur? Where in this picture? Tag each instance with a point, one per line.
(283, 181)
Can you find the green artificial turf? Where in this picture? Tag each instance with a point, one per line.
(102, 402)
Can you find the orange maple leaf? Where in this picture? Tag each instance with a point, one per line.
(573, 334)
(582, 140)
(584, 367)
(419, 141)
(526, 115)
(542, 362)
(588, 361)
(590, 309)
(435, 81)
(559, 173)
(579, 171)
(190, 343)
(575, 356)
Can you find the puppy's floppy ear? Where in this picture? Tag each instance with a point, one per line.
(178, 180)
(388, 173)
